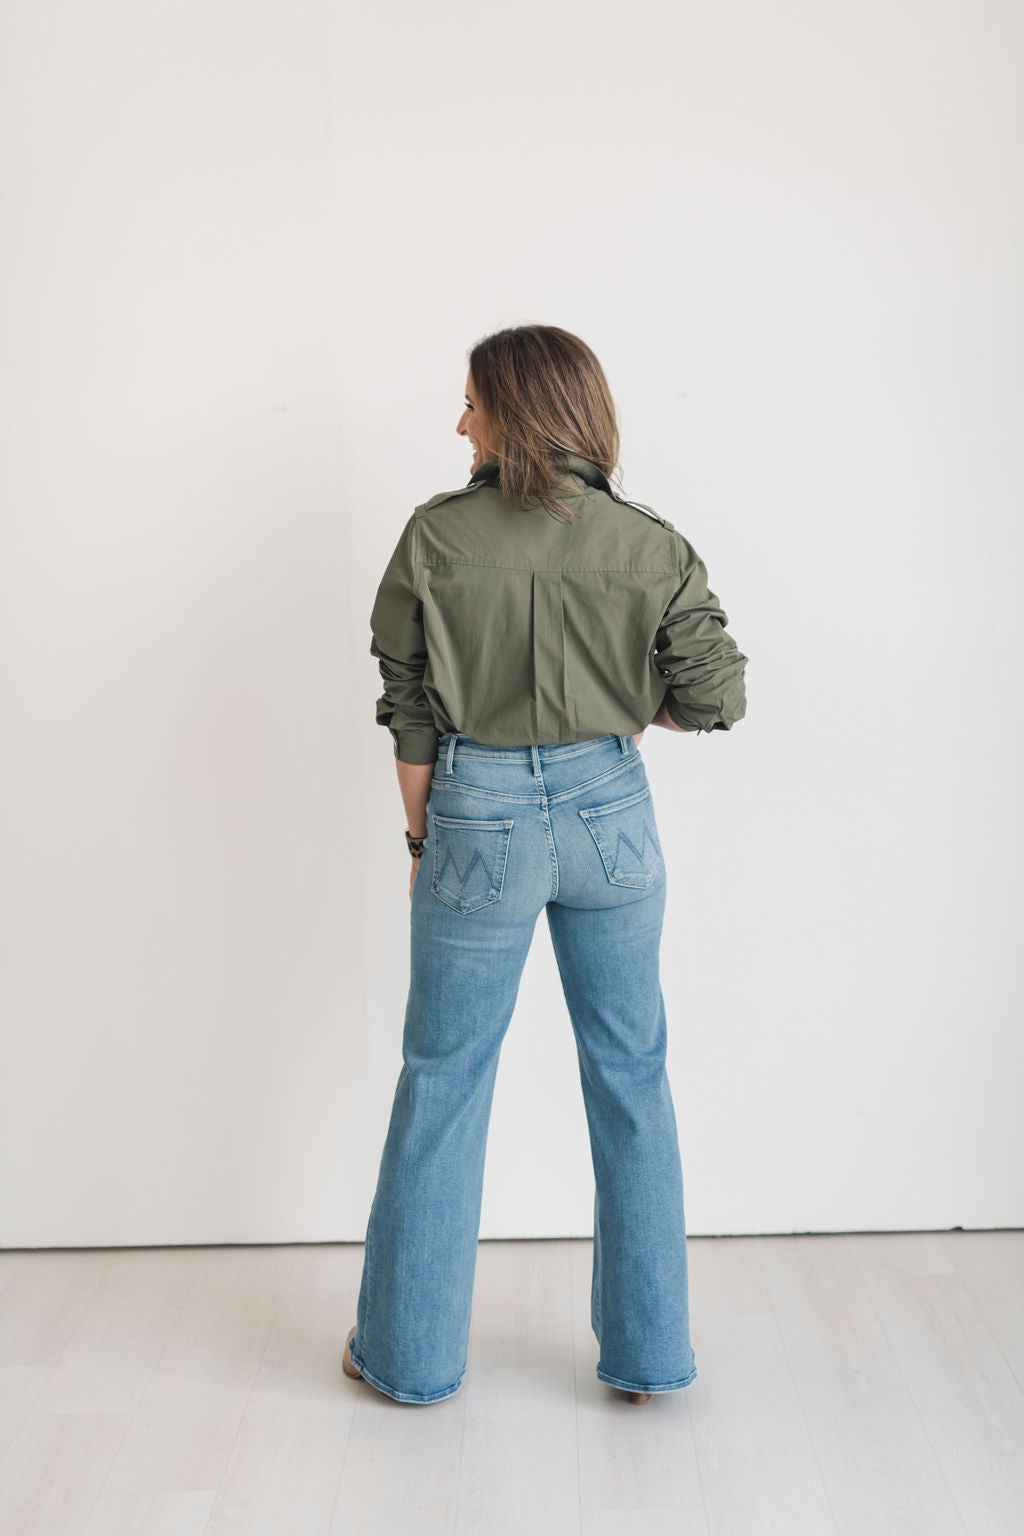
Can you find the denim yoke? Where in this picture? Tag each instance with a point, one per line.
(568, 828)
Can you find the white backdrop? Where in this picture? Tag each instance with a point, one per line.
(245, 251)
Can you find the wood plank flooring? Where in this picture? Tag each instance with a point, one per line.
(863, 1385)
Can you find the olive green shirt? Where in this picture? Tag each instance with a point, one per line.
(519, 628)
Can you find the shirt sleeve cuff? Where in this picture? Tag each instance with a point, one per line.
(695, 717)
(416, 746)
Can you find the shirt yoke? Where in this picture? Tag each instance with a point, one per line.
(461, 490)
(686, 554)
(475, 485)
(642, 507)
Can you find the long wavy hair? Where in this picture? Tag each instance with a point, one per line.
(544, 394)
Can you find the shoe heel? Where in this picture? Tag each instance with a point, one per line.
(346, 1359)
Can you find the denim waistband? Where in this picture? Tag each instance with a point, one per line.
(524, 754)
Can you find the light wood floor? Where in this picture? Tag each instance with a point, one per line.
(855, 1384)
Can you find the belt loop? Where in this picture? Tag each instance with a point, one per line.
(622, 743)
(451, 753)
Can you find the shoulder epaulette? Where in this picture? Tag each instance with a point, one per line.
(474, 485)
(639, 505)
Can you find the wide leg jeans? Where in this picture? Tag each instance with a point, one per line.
(569, 829)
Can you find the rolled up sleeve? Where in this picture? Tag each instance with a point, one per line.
(399, 645)
(700, 661)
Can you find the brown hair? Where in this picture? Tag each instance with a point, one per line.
(544, 394)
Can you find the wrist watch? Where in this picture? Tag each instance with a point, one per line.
(415, 844)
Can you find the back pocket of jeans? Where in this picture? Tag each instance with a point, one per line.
(627, 838)
(469, 860)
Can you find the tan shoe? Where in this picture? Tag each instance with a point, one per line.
(639, 1397)
(346, 1359)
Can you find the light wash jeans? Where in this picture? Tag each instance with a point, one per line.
(512, 831)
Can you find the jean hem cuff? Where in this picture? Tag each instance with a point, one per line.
(646, 1386)
(405, 1397)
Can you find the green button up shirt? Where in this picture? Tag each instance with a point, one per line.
(518, 628)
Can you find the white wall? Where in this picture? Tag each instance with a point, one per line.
(245, 251)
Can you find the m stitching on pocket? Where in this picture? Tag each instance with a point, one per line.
(470, 857)
(627, 838)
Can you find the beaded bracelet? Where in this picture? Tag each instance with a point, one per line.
(415, 844)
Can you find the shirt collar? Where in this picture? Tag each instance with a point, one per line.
(574, 464)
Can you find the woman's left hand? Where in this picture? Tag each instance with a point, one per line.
(412, 878)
